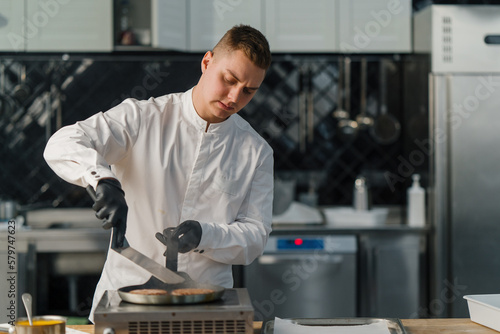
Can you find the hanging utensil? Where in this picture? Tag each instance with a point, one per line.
(302, 111)
(348, 129)
(386, 128)
(7, 105)
(364, 121)
(340, 113)
(22, 91)
(310, 106)
(48, 112)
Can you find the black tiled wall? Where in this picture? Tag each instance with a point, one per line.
(64, 89)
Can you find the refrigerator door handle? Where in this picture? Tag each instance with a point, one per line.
(492, 39)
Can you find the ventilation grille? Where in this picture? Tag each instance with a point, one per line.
(447, 40)
(187, 327)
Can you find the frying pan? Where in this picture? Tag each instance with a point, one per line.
(171, 253)
(169, 299)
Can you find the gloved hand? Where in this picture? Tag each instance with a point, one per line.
(188, 234)
(110, 206)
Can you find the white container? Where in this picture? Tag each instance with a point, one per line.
(416, 204)
(485, 310)
(348, 217)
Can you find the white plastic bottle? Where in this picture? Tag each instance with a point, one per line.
(416, 203)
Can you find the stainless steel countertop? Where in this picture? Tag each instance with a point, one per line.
(61, 240)
(325, 229)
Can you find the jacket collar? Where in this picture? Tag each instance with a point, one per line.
(199, 122)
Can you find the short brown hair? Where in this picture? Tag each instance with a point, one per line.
(249, 40)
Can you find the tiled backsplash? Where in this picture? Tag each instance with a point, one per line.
(63, 90)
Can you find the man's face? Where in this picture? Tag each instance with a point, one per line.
(228, 82)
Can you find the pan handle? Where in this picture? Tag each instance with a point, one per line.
(172, 249)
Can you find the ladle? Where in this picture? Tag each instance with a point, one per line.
(386, 128)
(364, 121)
(27, 301)
(348, 128)
(340, 113)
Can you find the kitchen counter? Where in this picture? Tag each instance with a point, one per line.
(280, 229)
(413, 326)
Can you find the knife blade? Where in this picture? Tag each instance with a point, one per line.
(162, 273)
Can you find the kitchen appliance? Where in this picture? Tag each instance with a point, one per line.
(461, 45)
(304, 276)
(233, 313)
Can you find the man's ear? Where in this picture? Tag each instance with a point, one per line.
(207, 58)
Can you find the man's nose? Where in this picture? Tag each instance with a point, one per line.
(234, 95)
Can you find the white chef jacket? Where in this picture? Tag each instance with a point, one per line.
(173, 168)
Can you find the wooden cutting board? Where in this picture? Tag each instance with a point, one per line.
(412, 326)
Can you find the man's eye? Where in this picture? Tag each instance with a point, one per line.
(229, 81)
(247, 92)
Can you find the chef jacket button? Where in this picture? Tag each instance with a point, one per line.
(93, 172)
(202, 251)
(196, 251)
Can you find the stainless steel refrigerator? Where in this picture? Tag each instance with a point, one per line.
(462, 43)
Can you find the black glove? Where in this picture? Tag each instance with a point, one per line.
(189, 234)
(110, 206)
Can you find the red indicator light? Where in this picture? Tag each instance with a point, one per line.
(298, 242)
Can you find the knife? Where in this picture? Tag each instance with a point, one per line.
(163, 274)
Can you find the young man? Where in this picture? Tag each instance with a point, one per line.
(183, 160)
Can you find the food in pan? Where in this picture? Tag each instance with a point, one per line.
(149, 292)
(191, 291)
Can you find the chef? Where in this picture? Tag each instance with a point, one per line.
(183, 160)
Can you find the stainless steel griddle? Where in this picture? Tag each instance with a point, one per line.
(232, 313)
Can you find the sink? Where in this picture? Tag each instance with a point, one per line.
(348, 217)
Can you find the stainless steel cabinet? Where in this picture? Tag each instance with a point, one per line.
(392, 274)
(312, 276)
(385, 275)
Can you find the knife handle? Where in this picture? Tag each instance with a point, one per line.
(91, 192)
(114, 233)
